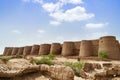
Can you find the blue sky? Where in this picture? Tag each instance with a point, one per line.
(28, 22)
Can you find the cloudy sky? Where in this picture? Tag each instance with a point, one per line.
(28, 22)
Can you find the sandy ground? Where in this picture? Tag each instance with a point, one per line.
(63, 59)
(18, 63)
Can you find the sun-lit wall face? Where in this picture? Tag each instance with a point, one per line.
(110, 45)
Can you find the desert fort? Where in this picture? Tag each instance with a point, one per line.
(84, 48)
(82, 60)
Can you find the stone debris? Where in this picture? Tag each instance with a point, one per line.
(19, 67)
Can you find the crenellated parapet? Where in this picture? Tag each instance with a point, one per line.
(84, 48)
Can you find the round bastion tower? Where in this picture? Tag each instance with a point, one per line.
(20, 51)
(9, 51)
(35, 50)
(14, 51)
(27, 50)
(44, 49)
(86, 48)
(56, 48)
(68, 49)
(110, 45)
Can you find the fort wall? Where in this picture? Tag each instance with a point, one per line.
(14, 51)
(9, 51)
(44, 49)
(84, 48)
(35, 50)
(68, 49)
(110, 45)
(56, 48)
(27, 50)
(5, 50)
(95, 46)
(20, 51)
(77, 47)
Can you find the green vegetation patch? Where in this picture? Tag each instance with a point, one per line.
(77, 66)
(103, 54)
(45, 60)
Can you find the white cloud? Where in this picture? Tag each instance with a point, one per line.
(96, 25)
(59, 14)
(51, 7)
(16, 32)
(75, 14)
(71, 1)
(55, 23)
(41, 31)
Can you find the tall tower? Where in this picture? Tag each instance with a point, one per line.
(44, 49)
(68, 49)
(86, 48)
(27, 50)
(110, 45)
(14, 51)
(56, 48)
(35, 50)
(20, 51)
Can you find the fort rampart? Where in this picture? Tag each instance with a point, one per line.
(84, 48)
